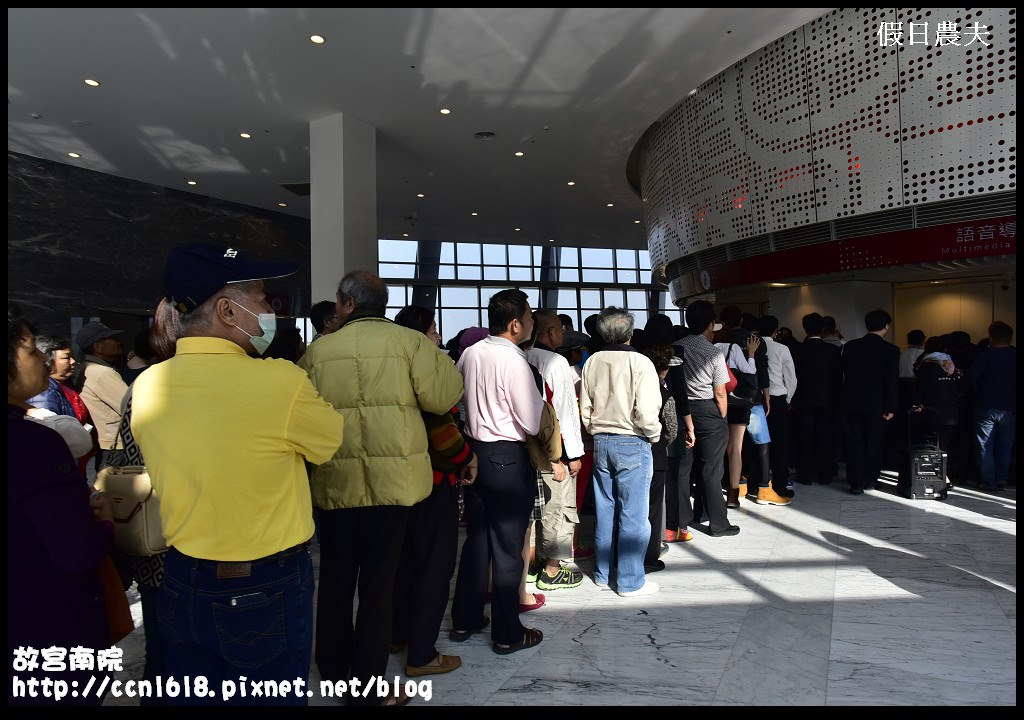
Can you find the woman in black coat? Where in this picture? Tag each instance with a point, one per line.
(938, 383)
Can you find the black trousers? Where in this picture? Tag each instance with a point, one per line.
(818, 443)
(425, 573)
(778, 427)
(712, 437)
(865, 436)
(655, 513)
(498, 504)
(357, 545)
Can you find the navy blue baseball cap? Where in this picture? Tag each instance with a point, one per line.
(194, 273)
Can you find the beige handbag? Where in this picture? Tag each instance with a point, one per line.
(137, 529)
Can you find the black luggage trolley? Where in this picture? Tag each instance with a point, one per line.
(923, 464)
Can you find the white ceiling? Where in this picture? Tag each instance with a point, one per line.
(573, 88)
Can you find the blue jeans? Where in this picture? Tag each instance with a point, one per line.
(259, 626)
(995, 431)
(623, 468)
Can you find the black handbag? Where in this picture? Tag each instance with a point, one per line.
(746, 394)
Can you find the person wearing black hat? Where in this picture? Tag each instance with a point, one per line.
(102, 387)
(225, 438)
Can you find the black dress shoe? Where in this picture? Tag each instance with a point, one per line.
(731, 530)
(656, 567)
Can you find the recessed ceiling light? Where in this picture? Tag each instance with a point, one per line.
(778, 285)
(405, 234)
(246, 136)
(474, 214)
(519, 153)
(611, 204)
(74, 155)
(92, 83)
(571, 183)
(936, 282)
(445, 111)
(192, 182)
(636, 222)
(282, 204)
(551, 240)
(420, 195)
(318, 39)
(518, 229)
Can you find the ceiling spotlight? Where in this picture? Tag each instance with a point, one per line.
(518, 229)
(192, 182)
(571, 183)
(244, 136)
(445, 111)
(318, 39)
(474, 214)
(936, 282)
(282, 204)
(551, 240)
(420, 195)
(92, 83)
(405, 234)
(519, 153)
(611, 204)
(777, 285)
(636, 222)
(74, 155)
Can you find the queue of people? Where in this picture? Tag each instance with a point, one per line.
(373, 442)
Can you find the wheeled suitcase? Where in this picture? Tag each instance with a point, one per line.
(923, 468)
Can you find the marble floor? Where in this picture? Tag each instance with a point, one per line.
(834, 600)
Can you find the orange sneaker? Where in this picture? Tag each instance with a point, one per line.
(684, 536)
(670, 535)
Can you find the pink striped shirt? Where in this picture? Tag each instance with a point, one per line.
(502, 400)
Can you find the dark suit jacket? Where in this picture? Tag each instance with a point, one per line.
(871, 370)
(819, 375)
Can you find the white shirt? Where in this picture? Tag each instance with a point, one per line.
(781, 370)
(736, 358)
(560, 383)
(907, 361)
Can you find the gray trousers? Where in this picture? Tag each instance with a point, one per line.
(559, 518)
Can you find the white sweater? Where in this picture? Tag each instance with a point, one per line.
(620, 394)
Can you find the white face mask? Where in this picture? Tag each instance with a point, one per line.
(268, 323)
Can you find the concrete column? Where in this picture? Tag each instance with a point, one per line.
(343, 201)
(549, 273)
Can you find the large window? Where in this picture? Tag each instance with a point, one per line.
(465, 275)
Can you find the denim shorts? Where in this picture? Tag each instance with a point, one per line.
(757, 428)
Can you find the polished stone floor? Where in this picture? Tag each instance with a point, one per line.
(834, 600)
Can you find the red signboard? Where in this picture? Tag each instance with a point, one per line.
(978, 238)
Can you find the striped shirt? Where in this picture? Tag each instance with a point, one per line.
(703, 367)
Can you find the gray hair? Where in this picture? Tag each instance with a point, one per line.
(615, 325)
(365, 289)
(49, 345)
(200, 320)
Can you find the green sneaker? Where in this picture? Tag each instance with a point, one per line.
(531, 573)
(563, 579)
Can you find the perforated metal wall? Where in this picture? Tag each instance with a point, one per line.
(826, 123)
